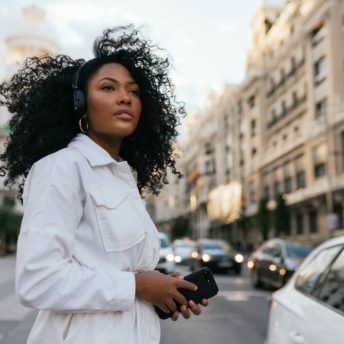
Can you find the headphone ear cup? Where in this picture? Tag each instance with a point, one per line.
(79, 102)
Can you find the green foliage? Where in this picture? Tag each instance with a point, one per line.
(263, 217)
(180, 227)
(281, 216)
(9, 226)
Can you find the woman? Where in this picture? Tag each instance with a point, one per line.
(87, 247)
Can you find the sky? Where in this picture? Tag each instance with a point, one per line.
(207, 39)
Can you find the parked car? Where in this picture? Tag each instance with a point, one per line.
(182, 249)
(166, 263)
(310, 308)
(275, 261)
(216, 255)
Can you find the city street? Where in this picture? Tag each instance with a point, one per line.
(238, 315)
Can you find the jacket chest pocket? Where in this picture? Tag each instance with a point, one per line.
(120, 226)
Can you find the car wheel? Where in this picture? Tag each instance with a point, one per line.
(255, 279)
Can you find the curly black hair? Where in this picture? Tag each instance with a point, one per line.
(40, 97)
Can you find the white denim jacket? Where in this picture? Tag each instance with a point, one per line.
(84, 234)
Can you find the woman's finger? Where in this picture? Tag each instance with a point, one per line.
(171, 305)
(205, 302)
(186, 285)
(194, 308)
(185, 312)
(177, 274)
(175, 316)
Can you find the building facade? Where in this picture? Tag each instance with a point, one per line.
(29, 40)
(281, 132)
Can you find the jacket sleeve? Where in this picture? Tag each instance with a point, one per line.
(47, 275)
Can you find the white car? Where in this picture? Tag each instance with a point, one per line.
(182, 249)
(166, 263)
(309, 309)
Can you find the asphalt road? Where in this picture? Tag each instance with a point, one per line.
(237, 315)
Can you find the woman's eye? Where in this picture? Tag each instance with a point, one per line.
(136, 92)
(107, 88)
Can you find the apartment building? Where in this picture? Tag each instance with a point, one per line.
(29, 40)
(280, 132)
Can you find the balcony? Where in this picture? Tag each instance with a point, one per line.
(285, 78)
(270, 155)
(287, 110)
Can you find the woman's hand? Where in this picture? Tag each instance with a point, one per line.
(184, 309)
(161, 290)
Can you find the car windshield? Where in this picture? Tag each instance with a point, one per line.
(213, 246)
(297, 251)
(183, 245)
(164, 243)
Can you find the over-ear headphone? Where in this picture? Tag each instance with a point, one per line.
(79, 97)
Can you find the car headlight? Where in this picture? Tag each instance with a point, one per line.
(250, 264)
(170, 257)
(194, 254)
(206, 257)
(177, 259)
(239, 258)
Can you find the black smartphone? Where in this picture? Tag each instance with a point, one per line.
(207, 288)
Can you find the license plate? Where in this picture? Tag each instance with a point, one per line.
(225, 264)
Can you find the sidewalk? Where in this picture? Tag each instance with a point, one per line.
(15, 320)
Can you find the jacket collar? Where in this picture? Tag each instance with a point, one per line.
(96, 155)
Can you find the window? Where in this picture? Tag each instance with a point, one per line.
(332, 290)
(313, 223)
(253, 128)
(287, 185)
(226, 121)
(276, 189)
(299, 223)
(274, 250)
(239, 106)
(300, 180)
(310, 274)
(284, 107)
(266, 192)
(319, 170)
(318, 33)
(209, 167)
(295, 98)
(300, 174)
(320, 71)
(319, 158)
(208, 148)
(251, 102)
(293, 65)
(252, 195)
(321, 109)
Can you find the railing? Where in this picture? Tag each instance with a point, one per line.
(287, 110)
(285, 78)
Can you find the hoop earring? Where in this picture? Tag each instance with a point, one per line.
(133, 138)
(80, 124)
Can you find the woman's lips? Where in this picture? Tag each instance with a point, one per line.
(124, 114)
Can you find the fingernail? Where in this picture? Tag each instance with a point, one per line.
(191, 303)
(196, 287)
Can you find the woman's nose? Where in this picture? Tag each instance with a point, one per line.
(124, 99)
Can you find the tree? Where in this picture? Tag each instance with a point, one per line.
(281, 216)
(9, 226)
(263, 217)
(180, 227)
